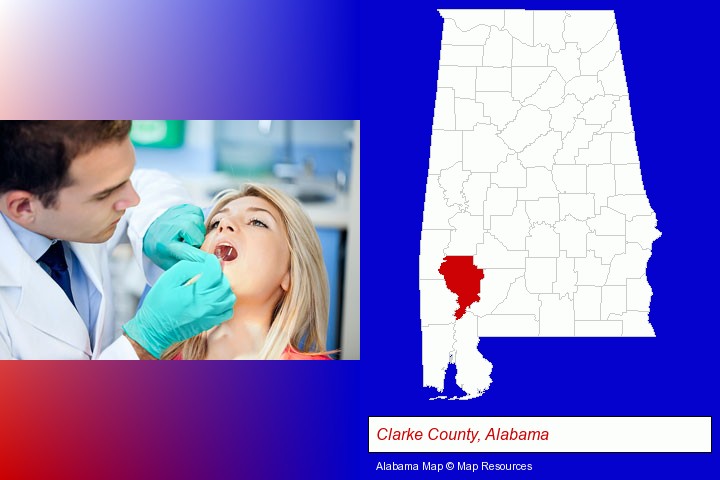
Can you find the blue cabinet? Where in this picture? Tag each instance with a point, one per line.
(332, 243)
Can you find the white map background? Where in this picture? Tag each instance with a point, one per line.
(534, 172)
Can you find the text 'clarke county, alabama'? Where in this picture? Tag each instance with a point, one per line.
(469, 435)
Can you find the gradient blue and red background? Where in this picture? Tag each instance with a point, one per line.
(376, 61)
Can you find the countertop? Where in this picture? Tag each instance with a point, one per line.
(326, 214)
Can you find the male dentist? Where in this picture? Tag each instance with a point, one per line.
(68, 196)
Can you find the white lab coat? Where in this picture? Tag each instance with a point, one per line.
(37, 320)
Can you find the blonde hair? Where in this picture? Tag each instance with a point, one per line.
(301, 315)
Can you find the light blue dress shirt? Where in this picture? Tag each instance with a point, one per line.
(87, 297)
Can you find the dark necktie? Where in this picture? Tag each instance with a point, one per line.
(54, 258)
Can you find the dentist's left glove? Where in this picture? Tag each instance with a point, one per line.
(173, 311)
(175, 235)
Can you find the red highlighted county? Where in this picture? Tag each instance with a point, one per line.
(462, 278)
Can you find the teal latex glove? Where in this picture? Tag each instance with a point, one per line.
(175, 235)
(173, 312)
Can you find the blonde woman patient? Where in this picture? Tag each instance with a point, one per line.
(271, 256)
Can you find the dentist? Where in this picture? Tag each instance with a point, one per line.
(68, 196)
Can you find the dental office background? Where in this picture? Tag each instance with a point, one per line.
(315, 161)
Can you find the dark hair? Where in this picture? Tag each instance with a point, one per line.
(35, 156)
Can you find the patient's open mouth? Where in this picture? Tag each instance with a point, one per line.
(225, 252)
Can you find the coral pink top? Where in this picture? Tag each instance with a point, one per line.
(289, 354)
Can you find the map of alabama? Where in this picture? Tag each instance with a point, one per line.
(536, 220)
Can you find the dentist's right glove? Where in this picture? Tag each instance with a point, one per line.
(173, 312)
